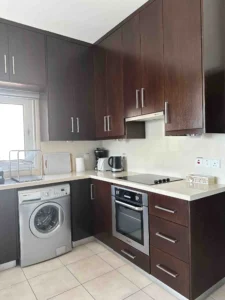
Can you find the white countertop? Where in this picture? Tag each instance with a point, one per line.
(178, 189)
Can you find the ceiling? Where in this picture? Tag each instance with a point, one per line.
(86, 20)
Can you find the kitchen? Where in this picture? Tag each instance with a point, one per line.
(147, 85)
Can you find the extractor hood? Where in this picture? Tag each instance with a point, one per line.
(143, 118)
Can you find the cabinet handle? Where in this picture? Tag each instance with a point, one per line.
(109, 127)
(78, 125)
(92, 192)
(164, 237)
(72, 125)
(142, 97)
(5, 60)
(165, 209)
(166, 112)
(13, 65)
(128, 254)
(137, 99)
(105, 123)
(174, 275)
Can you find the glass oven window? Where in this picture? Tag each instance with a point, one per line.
(130, 223)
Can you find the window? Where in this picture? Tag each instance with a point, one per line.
(17, 123)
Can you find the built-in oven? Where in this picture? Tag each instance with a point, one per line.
(130, 218)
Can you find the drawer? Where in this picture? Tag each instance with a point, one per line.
(169, 237)
(135, 256)
(168, 208)
(171, 271)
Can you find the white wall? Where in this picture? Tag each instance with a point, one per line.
(170, 155)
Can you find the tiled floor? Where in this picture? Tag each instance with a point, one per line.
(88, 272)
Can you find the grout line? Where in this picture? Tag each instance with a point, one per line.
(29, 284)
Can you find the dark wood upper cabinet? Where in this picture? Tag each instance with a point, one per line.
(4, 53)
(27, 55)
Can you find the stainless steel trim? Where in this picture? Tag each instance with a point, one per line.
(162, 236)
(92, 192)
(165, 209)
(13, 65)
(5, 60)
(105, 125)
(72, 125)
(142, 97)
(129, 206)
(128, 254)
(174, 275)
(109, 127)
(166, 113)
(144, 195)
(78, 125)
(137, 99)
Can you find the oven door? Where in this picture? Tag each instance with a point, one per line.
(130, 225)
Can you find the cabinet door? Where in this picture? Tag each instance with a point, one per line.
(131, 67)
(102, 208)
(61, 81)
(27, 55)
(114, 83)
(8, 226)
(151, 28)
(4, 53)
(81, 210)
(183, 65)
(100, 91)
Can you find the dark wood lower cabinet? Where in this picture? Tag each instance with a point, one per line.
(9, 226)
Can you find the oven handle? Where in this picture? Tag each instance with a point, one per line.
(129, 206)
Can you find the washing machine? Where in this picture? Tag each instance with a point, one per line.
(45, 223)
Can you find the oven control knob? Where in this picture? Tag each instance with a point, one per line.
(164, 180)
(160, 181)
(137, 198)
(156, 181)
(168, 179)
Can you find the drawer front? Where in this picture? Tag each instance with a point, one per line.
(168, 208)
(169, 237)
(171, 271)
(135, 256)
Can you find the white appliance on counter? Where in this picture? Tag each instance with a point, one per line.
(103, 164)
(57, 163)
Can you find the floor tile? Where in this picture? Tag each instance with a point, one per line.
(78, 293)
(219, 294)
(42, 268)
(134, 276)
(111, 286)
(10, 277)
(77, 254)
(140, 296)
(89, 268)
(112, 259)
(95, 247)
(53, 283)
(19, 291)
(157, 293)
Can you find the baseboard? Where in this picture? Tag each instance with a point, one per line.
(8, 265)
(82, 242)
(211, 290)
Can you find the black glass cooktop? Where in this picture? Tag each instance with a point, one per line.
(149, 179)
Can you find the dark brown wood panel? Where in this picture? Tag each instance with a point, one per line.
(131, 67)
(180, 283)
(4, 53)
(114, 83)
(151, 29)
(179, 208)
(140, 259)
(183, 64)
(28, 49)
(169, 237)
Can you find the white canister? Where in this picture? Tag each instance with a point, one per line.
(80, 166)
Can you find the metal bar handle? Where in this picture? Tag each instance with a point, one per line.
(128, 254)
(137, 99)
(129, 206)
(78, 125)
(109, 127)
(164, 237)
(92, 192)
(165, 209)
(5, 61)
(13, 65)
(105, 125)
(72, 125)
(166, 112)
(174, 275)
(143, 97)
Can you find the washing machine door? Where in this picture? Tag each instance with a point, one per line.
(46, 220)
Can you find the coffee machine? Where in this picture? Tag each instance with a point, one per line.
(100, 153)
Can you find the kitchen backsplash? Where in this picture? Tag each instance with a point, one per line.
(174, 156)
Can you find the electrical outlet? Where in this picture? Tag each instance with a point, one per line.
(199, 161)
(207, 163)
(215, 163)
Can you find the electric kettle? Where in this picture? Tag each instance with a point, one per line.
(116, 163)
